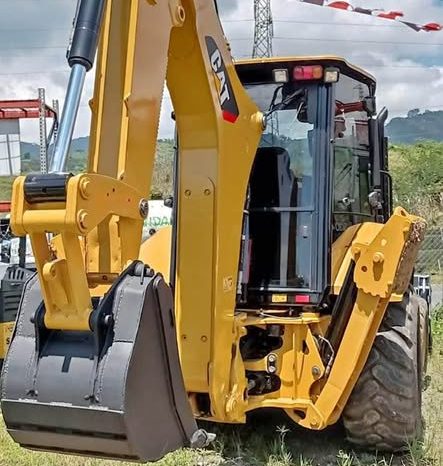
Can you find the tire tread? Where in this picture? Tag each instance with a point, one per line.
(384, 410)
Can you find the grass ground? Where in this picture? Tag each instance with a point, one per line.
(5, 187)
(270, 440)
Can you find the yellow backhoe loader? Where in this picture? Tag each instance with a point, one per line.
(284, 281)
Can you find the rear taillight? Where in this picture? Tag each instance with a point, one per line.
(308, 73)
(302, 299)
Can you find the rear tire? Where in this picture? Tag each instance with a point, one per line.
(384, 410)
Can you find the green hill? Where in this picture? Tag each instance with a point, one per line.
(415, 127)
(78, 145)
(161, 183)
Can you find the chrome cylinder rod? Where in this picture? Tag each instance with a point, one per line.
(69, 117)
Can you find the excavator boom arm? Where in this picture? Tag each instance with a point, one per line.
(143, 44)
(106, 320)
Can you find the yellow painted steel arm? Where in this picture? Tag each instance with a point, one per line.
(218, 129)
(383, 267)
(106, 205)
(98, 228)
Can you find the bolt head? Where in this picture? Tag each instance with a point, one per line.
(83, 219)
(144, 208)
(378, 258)
(108, 320)
(85, 188)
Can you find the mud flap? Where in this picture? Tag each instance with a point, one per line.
(116, 392)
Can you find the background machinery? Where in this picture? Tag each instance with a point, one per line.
(285, 280)
(15, 270)
(15, 264)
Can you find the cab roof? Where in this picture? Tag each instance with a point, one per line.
(254, 65)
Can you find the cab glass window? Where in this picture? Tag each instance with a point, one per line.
(351, 155)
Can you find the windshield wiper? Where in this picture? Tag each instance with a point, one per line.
(285, 102)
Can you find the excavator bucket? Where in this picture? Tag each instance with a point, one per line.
(114, 392)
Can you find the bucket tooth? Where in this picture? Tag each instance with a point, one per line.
(114, 392)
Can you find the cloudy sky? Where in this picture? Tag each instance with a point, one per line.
(408, 65)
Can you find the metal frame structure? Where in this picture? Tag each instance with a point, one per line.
(31, 109)
(264, 29)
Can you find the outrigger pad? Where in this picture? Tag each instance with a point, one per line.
(124, 401)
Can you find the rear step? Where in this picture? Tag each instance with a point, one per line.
(116, 392)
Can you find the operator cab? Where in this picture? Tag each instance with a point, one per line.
(313, 170)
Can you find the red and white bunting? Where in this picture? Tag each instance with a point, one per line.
(379, 13)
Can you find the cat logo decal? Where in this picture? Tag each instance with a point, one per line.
(228, 103)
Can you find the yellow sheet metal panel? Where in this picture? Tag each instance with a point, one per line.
(156, 251)
(6, 329)
(342, 249)
(130, 79)
(194, 282)
(381, 264)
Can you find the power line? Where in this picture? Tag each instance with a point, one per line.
(31, 47)
(33, 30)
(342, 40)
(314, 39)
(370, 65)
(416, 67)
(364, 65)
(331, 23)
(361, 65)
(228, 21)
(240, 20)
(25, 73)
(373, 65)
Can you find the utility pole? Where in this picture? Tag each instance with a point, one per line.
(264, 29)
(43, 133)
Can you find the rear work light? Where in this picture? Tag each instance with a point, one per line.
(308, 73)
(281, 75)
(332, 75)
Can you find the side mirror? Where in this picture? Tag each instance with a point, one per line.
(375, 200)
(379, 198)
